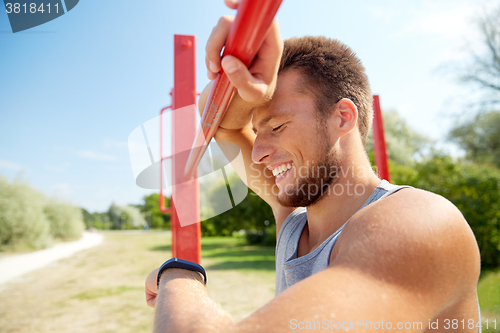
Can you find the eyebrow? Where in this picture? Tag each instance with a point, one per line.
(263, 122)
(268, 119)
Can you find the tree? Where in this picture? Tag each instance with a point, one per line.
(155, 218)
(483, 70)
(253, 215)
(404, 145)
(125, 217)
(66, 220)
(95, 220)
(23, 223)
(480, 138)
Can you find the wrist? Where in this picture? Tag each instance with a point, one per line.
(182, 264)
(170, 274)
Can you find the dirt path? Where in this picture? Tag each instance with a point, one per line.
(101, 289)
(14, 266)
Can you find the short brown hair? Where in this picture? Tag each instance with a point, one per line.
(332, 72)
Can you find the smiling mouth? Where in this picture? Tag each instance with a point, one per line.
(281, 170)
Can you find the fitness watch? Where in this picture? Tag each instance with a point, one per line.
(183, 264)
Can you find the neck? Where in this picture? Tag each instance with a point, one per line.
(356, 181)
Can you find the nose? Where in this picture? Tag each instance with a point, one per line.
(262, 150)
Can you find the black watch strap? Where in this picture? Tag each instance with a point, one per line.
(182, 264)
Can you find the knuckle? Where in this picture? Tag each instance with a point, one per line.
(225, 20)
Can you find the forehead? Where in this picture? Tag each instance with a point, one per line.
(289, 98)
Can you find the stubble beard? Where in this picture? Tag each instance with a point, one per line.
(300, 194)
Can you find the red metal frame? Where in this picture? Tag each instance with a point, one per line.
(185, 239)
(185, 196)
(253, 19)
(163, 209)
(379, 145)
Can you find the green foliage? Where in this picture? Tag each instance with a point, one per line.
(23, 223)
(95, 220)
(130, 216)
(474, 189)
(266, 236)
(125, 217)
(66, 221)
(480, 138)
(28, 220)
(155, 218)
(404, 145)
(249, 215)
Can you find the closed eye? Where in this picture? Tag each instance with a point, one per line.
(277, 129)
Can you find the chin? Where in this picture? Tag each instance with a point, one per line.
(297, 198)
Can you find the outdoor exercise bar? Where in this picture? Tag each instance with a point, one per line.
(253, 19)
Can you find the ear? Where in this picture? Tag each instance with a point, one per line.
(347, 113)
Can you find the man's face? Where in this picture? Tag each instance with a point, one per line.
(295, 144)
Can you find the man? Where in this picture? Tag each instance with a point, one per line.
(406, 259)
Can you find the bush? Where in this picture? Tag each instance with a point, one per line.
(155, 218)
(249, 215)
(23, 223)
(266, 237)
(66, 221)
(28, 220)
(125, 217)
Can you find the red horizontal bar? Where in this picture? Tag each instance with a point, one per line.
(253, 19)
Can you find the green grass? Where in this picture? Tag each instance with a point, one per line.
(488, 291)
(105, 292)
(231, 253)
(101, 289)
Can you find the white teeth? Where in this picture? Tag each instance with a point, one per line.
(278, 171)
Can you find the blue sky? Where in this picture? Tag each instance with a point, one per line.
(73, 89)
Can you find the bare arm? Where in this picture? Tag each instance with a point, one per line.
(383, 274)
(255, 86)
(184, 305)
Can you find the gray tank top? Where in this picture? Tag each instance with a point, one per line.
(289, 268)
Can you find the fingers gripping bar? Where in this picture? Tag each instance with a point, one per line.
(253, 19)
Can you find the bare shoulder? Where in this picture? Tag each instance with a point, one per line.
(414, 238)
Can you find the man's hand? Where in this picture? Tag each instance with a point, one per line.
(151, 288)
(255, 85)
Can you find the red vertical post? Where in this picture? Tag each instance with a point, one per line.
(185, 240)
(379, 146)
